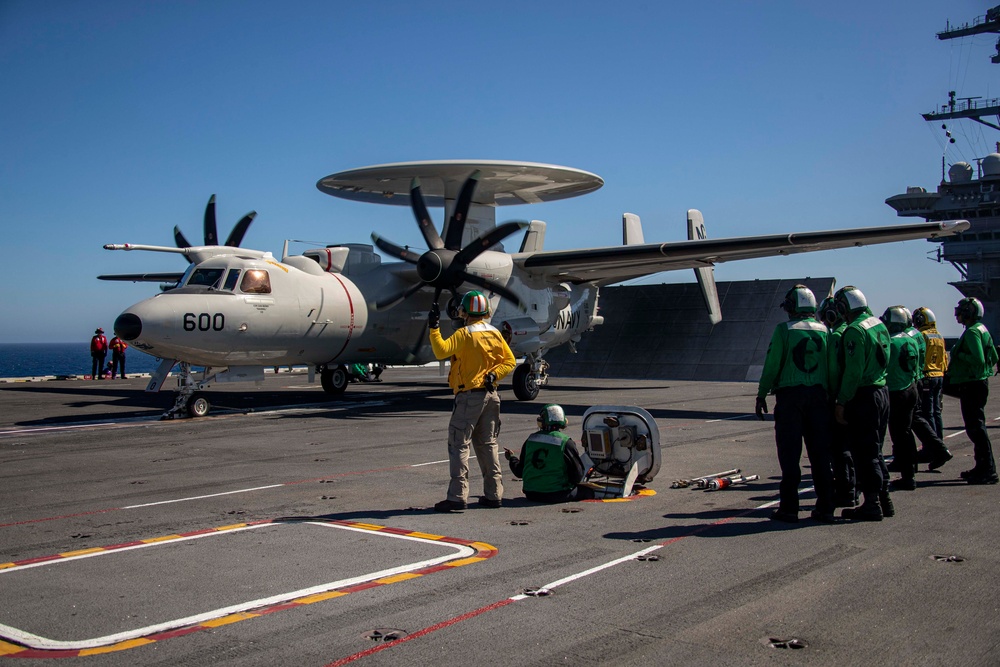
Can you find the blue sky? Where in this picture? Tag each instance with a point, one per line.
(119, 119)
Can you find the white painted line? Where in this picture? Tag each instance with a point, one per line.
(630, 557)
(211, 495)
(248, 490)
(726, 419)
(42, 429)
(43, 643)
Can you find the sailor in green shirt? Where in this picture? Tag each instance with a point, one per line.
(863, 401)
(901, 381)
(972, 362)
(795, 370)
(551, 463)
(844, 480)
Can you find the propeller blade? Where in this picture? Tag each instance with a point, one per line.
(495, 287)
(423, 217)
(236, 236)
(386, 303)
(211, 232)
(396, 251)
(179, 238)
(477, 246)
(456, 224)
(412, 355)
(181, 241)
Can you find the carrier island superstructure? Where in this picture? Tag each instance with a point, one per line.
(966, 191)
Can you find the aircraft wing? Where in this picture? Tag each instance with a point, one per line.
(607, 265)
(144, 277)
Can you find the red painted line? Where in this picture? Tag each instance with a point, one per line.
(55, 518)
(293, 483)
(504, 603)
(420, 633)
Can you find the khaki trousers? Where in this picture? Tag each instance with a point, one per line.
(475, 420)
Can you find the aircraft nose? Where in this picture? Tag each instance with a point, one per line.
(128, 326)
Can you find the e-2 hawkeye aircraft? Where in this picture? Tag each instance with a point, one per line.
(236, 311)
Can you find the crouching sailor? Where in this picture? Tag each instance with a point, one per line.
(550, 462)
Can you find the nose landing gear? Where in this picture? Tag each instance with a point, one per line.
(188, 402)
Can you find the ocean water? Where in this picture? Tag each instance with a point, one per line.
(18, 360)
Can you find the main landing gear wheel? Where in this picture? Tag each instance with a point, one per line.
(334, 380)
(198, 406)
(525, 383)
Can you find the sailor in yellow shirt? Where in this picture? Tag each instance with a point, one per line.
(480, 358)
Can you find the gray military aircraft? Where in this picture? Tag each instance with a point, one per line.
(236, 311)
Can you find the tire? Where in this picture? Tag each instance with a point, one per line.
(525, 383)
(334, 380)
(198, 406)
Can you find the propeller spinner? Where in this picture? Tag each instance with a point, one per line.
(235, 237)
(444, 265)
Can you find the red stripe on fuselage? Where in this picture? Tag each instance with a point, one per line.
(350, 327)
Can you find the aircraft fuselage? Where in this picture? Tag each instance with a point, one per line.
(235, 311)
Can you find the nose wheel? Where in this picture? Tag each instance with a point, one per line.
(198, 406)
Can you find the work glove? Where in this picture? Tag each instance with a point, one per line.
(434, 316)
(761, 408)
(508, 454)
(490, 381)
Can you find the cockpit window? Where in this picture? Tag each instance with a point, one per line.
(256, 281)
(206, 277)
(231, 278)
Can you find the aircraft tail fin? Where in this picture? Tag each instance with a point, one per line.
(704, 274)
(534, 237)
(631, 229)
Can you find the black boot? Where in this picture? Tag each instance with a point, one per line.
(943, 457)
(886, 502)
(868, 511)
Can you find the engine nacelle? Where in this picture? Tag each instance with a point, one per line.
(521, 334)
(349, 258)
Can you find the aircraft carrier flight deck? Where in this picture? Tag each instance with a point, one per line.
(288, 528)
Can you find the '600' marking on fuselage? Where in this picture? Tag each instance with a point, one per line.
(204, 322)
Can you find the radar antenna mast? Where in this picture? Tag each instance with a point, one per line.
(973, 108)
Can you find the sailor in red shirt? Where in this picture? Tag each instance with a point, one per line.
(98, 353)
(118, 347)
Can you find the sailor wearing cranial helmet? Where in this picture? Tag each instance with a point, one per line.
(863, 401)
(796, 371)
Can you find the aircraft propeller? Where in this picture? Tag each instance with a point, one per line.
(235, 237)
(444, 265)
